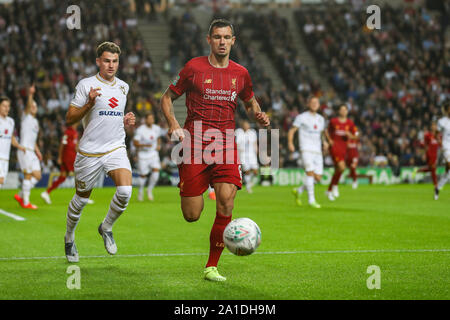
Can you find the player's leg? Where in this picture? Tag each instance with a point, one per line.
(3, 171)
(194, 181)
(152, 181)
(353, 174)
(446, 176)
(61, 178)
(333, 191)
(122, 179)
(192, 207)
(225, 194)
(143, 171)
(307, 160)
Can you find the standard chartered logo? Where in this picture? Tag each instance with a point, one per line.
(219, 95)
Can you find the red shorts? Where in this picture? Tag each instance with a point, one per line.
(195, 178)
(431, 159)
(67, 163)
(338, 153)
(352, 155)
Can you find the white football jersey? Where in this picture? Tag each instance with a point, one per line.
(246, 140)
(29, 129)
(444, 128)
(310, 129)
(147, 135)
(6, 133)
(103, 124)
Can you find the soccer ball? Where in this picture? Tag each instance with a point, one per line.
(242, 236)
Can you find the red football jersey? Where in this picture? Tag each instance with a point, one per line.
(431, 143)
(70, 140)
(338, 131)
(211, 94)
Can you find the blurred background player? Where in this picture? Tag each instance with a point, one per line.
(29, 160)
(99, 103)
(7, 138)
(352, 156)
(66, 157)
(310, 126)
(148, 143)
(247, 144)
(431, 142)
(212, 85)
(339, 131)
(444, 128)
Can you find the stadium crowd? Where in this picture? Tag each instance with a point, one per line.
(393, 80)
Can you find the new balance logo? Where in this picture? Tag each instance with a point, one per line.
(113, 103)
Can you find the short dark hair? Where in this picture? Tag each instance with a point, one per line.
(4, 98)
(109, 47)
(220, 23)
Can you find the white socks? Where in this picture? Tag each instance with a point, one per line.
(443, 180)
(153, 180)
(26, 190)
(141, 184)
(118, 205)
(76, 205)
(309, 184)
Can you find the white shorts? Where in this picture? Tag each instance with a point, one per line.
(446, 153)
(88, 169)
(249, 161)
(144, 166)
(313, 161)
(4, 164)
(28, 161)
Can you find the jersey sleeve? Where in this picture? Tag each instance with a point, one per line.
(247, 91)
(80, 96)
(183, 80)
(297, 122)
(440, 125)
(137, 134)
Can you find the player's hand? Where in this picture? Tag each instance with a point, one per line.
(21, 148)
(262, 118)
(176, 133)
(129, 120)
(93, 93)
(59, 161)
(32, 89)
(291, 147)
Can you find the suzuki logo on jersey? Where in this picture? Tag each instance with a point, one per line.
(113, 103)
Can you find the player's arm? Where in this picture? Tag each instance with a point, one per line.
(167, 108)
(60, 149)
(328, 139)
(324, 138)
(254, 111)
(158, 145)
(75, 114)
(30, 100)
(16, 144)
(290, 137)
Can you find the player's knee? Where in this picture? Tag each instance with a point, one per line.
(225, 205)
(123, 194)
(191, 215)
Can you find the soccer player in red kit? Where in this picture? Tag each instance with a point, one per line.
(66, 158)
(339, 131)
(352, 156)
(212, 85)
(431, 142)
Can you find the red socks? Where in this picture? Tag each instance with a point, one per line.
(56, 183)
(335, 179)
(216, 239)
(434, 177)
(353, 173)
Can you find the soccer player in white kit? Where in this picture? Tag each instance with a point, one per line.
(148, 143)
(29, 160)
(99, 102)
(444, 128)
(310, 125)
(7, 138)
(247, 145)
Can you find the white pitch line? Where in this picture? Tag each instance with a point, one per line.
(12, 215)
(256, 253)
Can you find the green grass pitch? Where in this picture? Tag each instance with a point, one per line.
(305, 253)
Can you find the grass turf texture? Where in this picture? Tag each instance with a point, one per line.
(329, 259)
